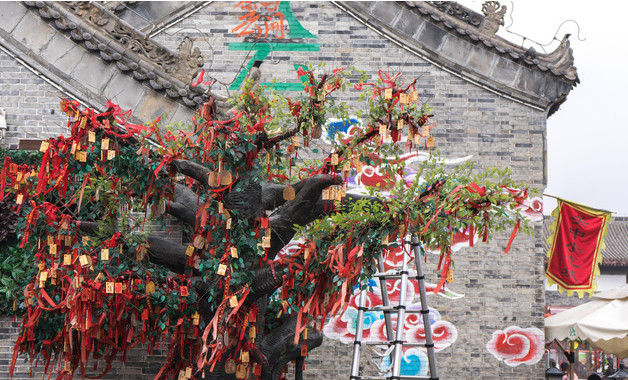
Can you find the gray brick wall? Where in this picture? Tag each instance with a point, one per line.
(500, 290)
(31, 104)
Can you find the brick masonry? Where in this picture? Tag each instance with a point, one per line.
(31, 104)
(500, 290)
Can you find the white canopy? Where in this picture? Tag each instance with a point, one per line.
(603, 322)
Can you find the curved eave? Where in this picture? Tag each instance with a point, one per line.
(541, 82)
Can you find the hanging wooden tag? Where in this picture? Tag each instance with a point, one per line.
(91, 136)
(67, 259)
(403, 98)
(228, 226)
(382, 130)
(325, 194)
(212, 179)
(184, 291)
(188, 372)
(233, 301)
(44, 146)
(240, 371)
(244, 356)
(334, 159)
(317, 130)
(303, 350)
(346, 166)
(118, 287)
(450, 276)
(226, 178)
(295, 141)
(252, 332)
(83, 122)
(415, 96)
(288, 193)
(150, 287)
(181, 375)
(109, 287)
(104, 254)
(430, 141)
(199, 242)
(81, 156)
(230, 367)
(321, 96)
(104, 144)
(83, 261)
(400, 124)
(266, 242)
(196, 318)
(305, 334)
(306, 253)
(234, 252)
(222, 269)
(190, 250)
(358, 167)
(111, 154)
(388, 93)
(385, 240)
(426, 131)
(417, 139)
(53, 249)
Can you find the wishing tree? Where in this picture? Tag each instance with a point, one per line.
(224, 304)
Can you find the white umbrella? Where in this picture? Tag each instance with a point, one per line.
(603, 322)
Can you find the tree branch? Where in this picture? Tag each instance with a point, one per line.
(301, 211)
(192, 169)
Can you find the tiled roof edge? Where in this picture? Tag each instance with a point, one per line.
(559, 62)
(164, 71)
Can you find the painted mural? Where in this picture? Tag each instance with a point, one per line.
(515, 345)
(269, 27)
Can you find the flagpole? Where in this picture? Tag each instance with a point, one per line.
(563, 199)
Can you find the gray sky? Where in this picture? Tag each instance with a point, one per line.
(587, 137)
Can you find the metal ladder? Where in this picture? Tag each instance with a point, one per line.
(396, 338)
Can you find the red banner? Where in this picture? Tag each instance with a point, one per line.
(576, 244)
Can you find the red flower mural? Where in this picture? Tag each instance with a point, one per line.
(516, 346)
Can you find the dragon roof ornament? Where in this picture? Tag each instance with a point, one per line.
(101, 32)
(477, 27)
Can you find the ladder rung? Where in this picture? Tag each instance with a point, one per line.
(401, 377)
(392, 309)
(390, 343)
(393, 276)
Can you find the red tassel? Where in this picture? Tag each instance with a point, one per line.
(512, 237)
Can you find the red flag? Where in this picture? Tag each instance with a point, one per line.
(576, 244)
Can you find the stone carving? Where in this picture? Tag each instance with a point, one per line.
(183, 66)
(117, 6)
(494, 17)
(189, 61)
(458, 11)
(114, 41)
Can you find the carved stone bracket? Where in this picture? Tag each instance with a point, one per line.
(101, 32)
